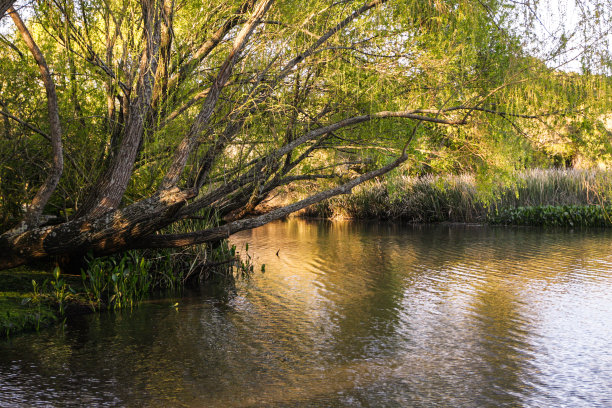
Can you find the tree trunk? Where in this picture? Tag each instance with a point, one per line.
(105, 234)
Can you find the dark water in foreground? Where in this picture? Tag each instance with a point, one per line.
(351, 314)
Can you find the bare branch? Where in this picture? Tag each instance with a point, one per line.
(26, 124)
(214, 234)
(209, 45)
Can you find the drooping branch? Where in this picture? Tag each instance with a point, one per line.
(238, 118)
(325, 37)
(32, 215)
(204, 50)
(255, 172)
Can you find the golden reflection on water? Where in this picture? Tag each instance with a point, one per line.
(470, 301)
(353, 314)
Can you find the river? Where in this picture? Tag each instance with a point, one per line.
(350, 314)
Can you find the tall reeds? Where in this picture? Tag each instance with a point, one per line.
(463, 199)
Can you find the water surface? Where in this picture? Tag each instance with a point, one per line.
(351, 314)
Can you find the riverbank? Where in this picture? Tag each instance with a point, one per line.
(34, 298)
(563, 197)
(17, 312)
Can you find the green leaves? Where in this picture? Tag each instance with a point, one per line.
(117, 281)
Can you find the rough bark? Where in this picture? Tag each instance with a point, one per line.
(108, 191)
(109, 233)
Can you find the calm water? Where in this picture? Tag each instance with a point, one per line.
(351, 314)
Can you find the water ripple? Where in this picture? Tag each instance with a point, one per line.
(351, 314)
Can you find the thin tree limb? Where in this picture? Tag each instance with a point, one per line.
(36, 207)
(214, 234)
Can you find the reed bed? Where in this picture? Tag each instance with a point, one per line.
(461, 198)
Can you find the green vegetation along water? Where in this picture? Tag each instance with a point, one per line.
(350, 314)
(465, 198)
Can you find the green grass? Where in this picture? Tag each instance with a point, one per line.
(34, 298)
(16, 313)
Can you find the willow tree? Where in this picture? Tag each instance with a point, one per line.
(159, 111)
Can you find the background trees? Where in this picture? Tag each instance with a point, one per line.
(174, 109)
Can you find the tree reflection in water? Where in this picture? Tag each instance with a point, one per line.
(370, 314)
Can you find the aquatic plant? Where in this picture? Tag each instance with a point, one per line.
(117, 282)
(55, 292)
(556, 216)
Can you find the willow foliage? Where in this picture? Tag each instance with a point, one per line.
(222, 102)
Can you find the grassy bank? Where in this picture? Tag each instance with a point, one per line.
(462, 199)
(35, 298)
(17, 312)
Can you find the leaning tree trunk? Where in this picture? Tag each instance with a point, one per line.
(112, 232)
(232, 95)
(135, 226)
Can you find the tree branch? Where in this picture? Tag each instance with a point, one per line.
(47, 137)
(4, 6)
(369, 5)
(238, 118)
(26, 124)
(209, 45)
(213, 234)
(109, 189)
(189, 142)
(290, 146)
(32, 215)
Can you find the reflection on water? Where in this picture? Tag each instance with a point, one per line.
(351, 314)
